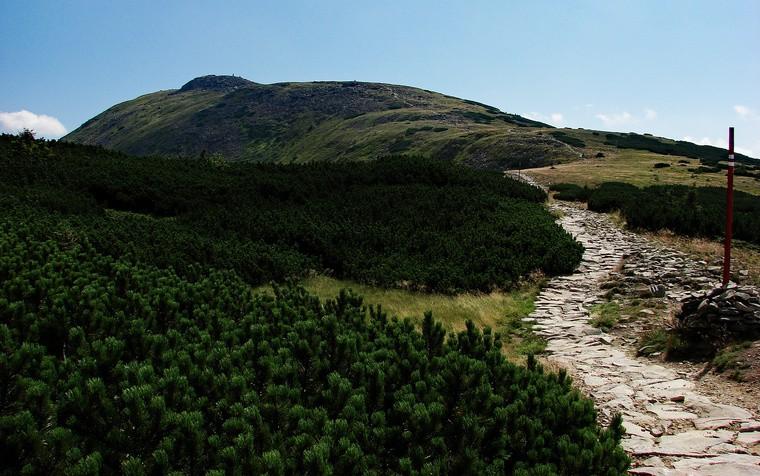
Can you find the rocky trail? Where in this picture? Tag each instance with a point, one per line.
(672, 428)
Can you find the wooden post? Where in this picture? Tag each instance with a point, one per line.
(729, 210)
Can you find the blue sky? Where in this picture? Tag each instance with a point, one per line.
(680, 69)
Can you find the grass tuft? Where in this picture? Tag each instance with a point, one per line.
(731, 360)
(605, 315)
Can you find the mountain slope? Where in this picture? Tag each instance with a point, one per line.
(329, 121)
(318, 121)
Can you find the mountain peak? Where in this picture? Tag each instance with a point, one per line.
(213, 82)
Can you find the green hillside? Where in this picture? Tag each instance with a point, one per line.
(301, 122)
(334, 121)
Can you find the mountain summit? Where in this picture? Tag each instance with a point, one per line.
(213, 82)
(297, 122)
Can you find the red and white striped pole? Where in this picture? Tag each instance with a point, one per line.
(729, 210)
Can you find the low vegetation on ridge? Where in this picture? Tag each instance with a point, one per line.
(688, 211)
(397, 222)
(319, 121)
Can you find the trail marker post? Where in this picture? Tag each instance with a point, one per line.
(729, 210)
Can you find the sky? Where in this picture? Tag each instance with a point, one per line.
(678, 69)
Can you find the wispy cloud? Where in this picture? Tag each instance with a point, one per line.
(616, 119)
(555, 118)
(745, 112)
(43, 125)
(722, 143)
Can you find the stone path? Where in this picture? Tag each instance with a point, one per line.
(671, 428)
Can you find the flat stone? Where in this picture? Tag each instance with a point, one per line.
(748, 438)
(750, 425)
(621, 403)
(672, 388)
(639, 445)
(639, 418)
(691, 442)
(719, 410)
(720, 465)
(633, 429)
(594, 381)
(670, 412)
(655, 471)
(653, 461)
(620, 391)
(713, 423)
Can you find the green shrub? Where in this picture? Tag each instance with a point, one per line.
(653, 341)
(691, 211)
(611, 196)
(399, 221)
(478, 117)
(661, 165)
(570, 192)
(570, 140)
(108, 366)
(705, 170)
(706, 153)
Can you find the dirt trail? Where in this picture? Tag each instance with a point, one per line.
(672, 429)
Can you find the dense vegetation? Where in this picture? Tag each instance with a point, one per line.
(706, 153)
(395, 222)
(570, 192)
(111, 366)
(693, 211)
(570, 140)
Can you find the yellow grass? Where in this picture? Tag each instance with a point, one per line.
(636, 167)
(501, 311)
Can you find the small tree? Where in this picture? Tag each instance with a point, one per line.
(27, 135)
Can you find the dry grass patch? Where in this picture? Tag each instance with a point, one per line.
(637, 167)
(502, 311)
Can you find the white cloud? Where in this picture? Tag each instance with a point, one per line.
(625, 118)
(722, 143)
(45, 126)
(555, 118)
(745, 112)
(616, 119)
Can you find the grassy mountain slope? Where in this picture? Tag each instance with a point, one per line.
(299, 122)
(642, 160)
(334, 121)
